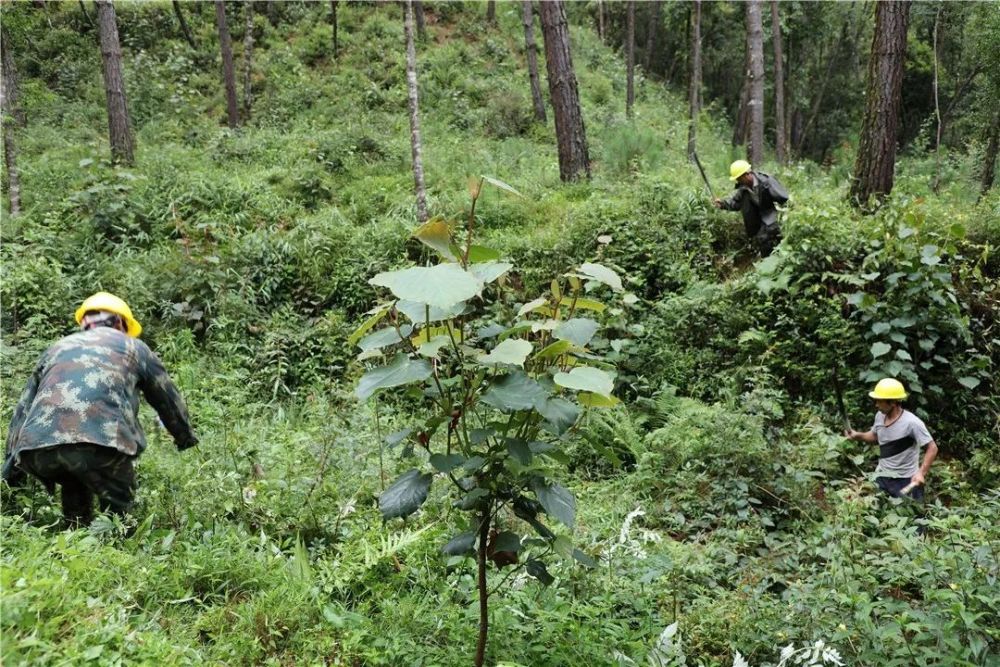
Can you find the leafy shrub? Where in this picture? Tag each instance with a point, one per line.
(507, 114)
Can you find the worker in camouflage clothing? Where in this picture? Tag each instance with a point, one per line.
(77, 423)
(756, 195)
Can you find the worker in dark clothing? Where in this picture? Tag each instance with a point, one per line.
(756, 195)
(77, 423)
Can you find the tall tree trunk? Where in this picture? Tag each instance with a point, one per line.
(228, 70)
(418, 13)
(491, 12)
(630, 56)
(119, 124)
(651, 32)
(780, 135)
(86, 14)
(755, 38)
(333, 23)
(571, 136)
(873, 169)
(741, 128)
(989, 166)
(248, 61)
(936, 181)
(601, 30)
(694, 83)
(180, 19)
(528, 18)
(12, 116)
(411, 87)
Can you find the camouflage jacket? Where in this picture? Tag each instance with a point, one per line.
(85, 389)
(758, 202)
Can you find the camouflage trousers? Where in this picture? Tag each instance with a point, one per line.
(767, 238)
(83, 471)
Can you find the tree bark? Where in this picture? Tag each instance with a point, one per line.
(989, 166)
(651, 33)
(780, 135)
(248, 61)
(600, 20)
(694, 87)
(528, 18)
(873, 169)
(741, 128)
(228, 70)
(755, 39)
(13, 117)
(333, 23)
(484, 616)
(630, 57)
(411, 87)
(418, 13)
(180, 19)
(491, 12)
(571, 136)
(936, 181)
(119, 124)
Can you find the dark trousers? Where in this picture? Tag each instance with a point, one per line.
(895, 485)
(82, 471)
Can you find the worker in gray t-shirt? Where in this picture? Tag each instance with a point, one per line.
(900, 434)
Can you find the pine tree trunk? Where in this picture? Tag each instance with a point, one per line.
(936, 181)
(411, 87)
(694, 84)
(989, 166)
(248, 61)
(13, 117)
(873, 169)
(528, 18)
(651, 33)
(418, 13)
(180, 19)
(780, 136)
(571, 136)
(630, 57)
(86, 14)
(755, 37)
(600, 20)
(491, 12)
(741, 128)
(119, 124)
(228, 70)
(333, 23)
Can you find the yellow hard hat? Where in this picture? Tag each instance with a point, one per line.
(889, 389)
(738, 168)
(111, 304)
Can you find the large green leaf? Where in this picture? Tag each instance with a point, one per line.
(587, 378)
(879, 349)
(443, 285)
(537, 569)
(402, 370)
(507, 541)
(560, 414)
(460, 545)
(531, 305)
(436, 234)
(512, 351)
(418, 312)
(602, 274)
(500, 184)
(555, 349)
(490, 271)
(384, 337)
(520, 450)
(478, 253)
(367, 325)
(446, 462)
(578, 330)
(515, 391)
(557, 501)
(405, 495)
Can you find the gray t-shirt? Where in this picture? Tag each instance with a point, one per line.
(907, 462)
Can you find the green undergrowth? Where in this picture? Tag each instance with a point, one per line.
(720, 497)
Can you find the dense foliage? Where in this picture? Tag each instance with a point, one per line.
(717, 501)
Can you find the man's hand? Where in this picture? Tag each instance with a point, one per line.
(918, 478)
(851, 434)
(716, 202)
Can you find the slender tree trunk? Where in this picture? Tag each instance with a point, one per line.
(651, 32)
(86, 14)
(630, 57)
(741, 128)
(12, 116)
(228, 70)
(570, 133)
(989, 166)
(873, 169)
(528, 18)
(936, 181)
(418, 13)
(411, 87)
(484, 615)
(694, 83)
(180, 19)
(119, 124)
(491, 12)
(248, 61)
(333, 23)
(781, 137)
(601, 31)
(755, 36)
